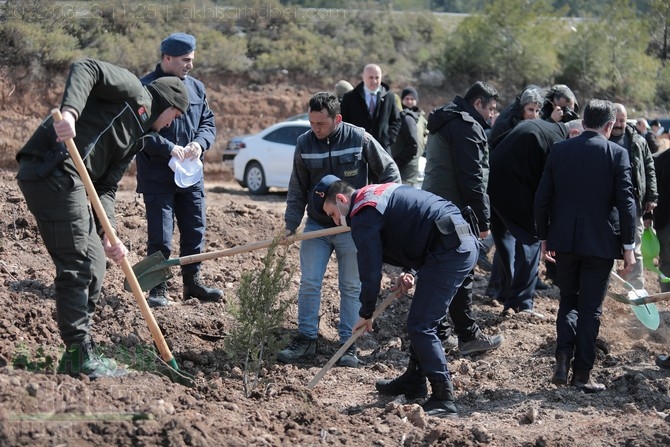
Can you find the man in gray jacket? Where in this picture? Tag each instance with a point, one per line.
(350, 153)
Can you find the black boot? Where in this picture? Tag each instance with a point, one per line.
(412, 383)
(583, 381)
(81, 358)
(158, 297)
(441, 403)
(560, 376)
(194, 288)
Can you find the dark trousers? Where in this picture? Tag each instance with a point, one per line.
(438, 280)
(460, 314)
(60, 207)
(518, 264)
(187, 207)
(583, 282)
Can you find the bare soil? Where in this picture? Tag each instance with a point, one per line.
(505, 398)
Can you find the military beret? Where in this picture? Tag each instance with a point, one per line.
(178, 44)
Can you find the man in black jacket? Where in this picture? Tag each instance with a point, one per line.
(371, 105)
(457, 169)
(516, 167)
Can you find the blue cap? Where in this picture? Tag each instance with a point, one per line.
(318, 194)
(178, 44)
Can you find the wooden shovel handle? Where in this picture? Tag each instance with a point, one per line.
(111, 236)
(352, 339)
(260, 244)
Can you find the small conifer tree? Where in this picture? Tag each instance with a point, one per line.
(259, 313)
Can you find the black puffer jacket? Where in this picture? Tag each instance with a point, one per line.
(457, 158)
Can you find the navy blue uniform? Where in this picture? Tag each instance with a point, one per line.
(418, 230)
(163, 199)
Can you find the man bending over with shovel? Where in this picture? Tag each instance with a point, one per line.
(427, 236)
(105, 110)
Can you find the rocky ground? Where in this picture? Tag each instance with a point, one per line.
(504, 398)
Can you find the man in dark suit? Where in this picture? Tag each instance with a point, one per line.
(585, 216)
(516, 167)
(371, 105)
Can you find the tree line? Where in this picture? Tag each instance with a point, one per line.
(616, 49)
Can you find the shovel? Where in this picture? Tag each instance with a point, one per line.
(173, 371)
(643, 307)
(651, 248)
(155, 269)
(322, 372)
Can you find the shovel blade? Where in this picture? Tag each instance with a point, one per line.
(150, 272)
(646, 313)
(176, 375)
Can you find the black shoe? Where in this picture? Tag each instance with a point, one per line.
(299, 349)
(194, 288)
(583, 381)
(349, 358)
(480, 344)
(560, 376)
(441, 403)
(158, 297)
(412, 383)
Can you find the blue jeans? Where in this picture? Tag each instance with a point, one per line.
(314, 256)
(438, 280)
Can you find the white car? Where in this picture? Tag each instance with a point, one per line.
(265, 159)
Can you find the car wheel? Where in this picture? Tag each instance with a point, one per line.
(255, 179)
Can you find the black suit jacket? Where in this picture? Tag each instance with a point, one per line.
(515, 169)
(385, 123)
(584, 203)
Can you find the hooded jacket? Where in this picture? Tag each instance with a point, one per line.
(457, 158)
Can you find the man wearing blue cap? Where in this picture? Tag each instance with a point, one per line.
(188, 138)
(427, 236)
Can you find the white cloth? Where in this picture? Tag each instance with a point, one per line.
(186, 173)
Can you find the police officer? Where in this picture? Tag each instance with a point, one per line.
(166, 201)
(427, 236)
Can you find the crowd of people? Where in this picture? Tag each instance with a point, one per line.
(539, 183)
